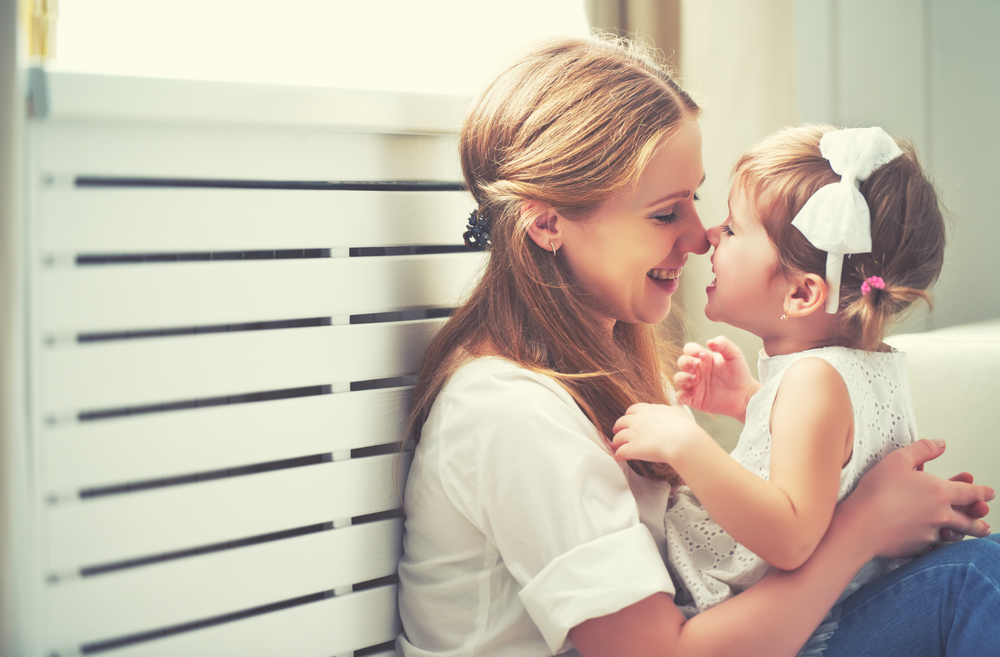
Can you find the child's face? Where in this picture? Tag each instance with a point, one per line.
(749, 290)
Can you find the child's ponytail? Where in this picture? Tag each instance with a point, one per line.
(868, 315)
(908, 240)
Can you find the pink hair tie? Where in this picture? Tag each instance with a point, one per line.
(872, 282)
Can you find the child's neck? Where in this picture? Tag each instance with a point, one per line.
(781, 346)
(798, 334)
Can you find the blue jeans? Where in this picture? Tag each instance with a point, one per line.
(946, 602)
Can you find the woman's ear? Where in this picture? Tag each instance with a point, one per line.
(543, 224)
(806, 295)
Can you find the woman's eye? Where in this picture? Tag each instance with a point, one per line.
(696, 197)
(666, 218)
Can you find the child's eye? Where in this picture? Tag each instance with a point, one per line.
(727, 229)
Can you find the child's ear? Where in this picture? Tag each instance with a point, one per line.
(806, 295)
(543, 224)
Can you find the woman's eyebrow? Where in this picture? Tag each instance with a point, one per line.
(681, 194)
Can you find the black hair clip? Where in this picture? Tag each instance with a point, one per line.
(477, 237)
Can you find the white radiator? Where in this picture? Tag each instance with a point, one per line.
(228, 290)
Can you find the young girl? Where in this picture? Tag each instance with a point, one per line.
(833, 398)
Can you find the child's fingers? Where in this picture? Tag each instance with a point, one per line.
(623, 452)
(620, 440)
(962, 476)
(963, 524)
(969, 496)
(692, 348)
(635, 408)
(724, 347)
(684, 380)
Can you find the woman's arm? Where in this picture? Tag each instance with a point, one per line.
(897, 510)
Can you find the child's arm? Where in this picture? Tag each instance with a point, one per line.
(783, 519)
(716, 381)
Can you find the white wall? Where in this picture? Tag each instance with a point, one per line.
(927, 70)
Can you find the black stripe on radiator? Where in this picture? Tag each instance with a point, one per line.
(188, 404)
(432, 249)
(94, 259)
(210, 475)
(107, 336)
(101, 569)
(120, 642)
(97, 647)
(331, 185)
(91, 259)
(388, 646)
(401, 315)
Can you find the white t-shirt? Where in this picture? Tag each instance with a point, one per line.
(519, 523)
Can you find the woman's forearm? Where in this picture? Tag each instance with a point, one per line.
(777, 615)
(773, 618)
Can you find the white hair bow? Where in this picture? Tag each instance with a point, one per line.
(836, 219)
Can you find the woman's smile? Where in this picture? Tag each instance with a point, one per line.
(654, 223)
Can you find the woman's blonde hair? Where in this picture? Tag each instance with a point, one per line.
(781, 172)
(571, 124)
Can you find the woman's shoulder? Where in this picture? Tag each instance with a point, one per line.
(499, 378)
(492, 396)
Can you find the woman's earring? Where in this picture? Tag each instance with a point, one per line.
(553, 247)
(784, 315)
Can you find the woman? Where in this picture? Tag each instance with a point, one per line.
(523, 535)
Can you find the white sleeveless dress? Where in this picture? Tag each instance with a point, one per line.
(707, 564)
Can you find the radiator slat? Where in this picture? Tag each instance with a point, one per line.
(96, 220)
(152, 296)
(171, 593)
(320, 629)
(145, 447)
(108, 375)
(114, 528)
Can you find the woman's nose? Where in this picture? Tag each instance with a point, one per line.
(695, 241)
(714, 234)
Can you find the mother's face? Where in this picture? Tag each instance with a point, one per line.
(629, 254)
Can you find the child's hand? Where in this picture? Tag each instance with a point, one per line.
(653, 432)
(716, 381)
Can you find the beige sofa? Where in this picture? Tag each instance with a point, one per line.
(955, 377)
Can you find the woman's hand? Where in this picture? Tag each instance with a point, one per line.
(715, 381)
(904, 511)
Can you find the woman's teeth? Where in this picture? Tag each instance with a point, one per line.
(664, 274)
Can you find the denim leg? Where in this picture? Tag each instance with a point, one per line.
(946, 602)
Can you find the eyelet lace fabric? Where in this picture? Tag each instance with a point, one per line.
(708, 565)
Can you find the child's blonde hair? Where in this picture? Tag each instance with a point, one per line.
(782, 171)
